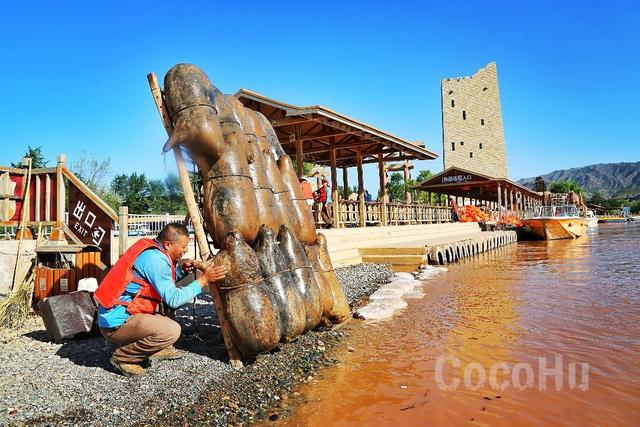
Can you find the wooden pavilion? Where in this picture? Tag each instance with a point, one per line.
(322, 136)
(498, 194)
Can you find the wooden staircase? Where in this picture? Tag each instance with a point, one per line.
(375, 244)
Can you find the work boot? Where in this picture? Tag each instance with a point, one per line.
(127, 369)
(169, 353)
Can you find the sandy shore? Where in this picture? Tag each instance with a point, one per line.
(73, 384)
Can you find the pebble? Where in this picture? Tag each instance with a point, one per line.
(74, 384)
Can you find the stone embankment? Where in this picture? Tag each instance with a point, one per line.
(453, 251)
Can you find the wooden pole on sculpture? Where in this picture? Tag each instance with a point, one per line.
(235, 358)
(183, 174)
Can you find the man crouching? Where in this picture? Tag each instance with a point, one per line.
(128, 298)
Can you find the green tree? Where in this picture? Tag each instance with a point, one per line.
(419, 195)
(565, 186)
(596, 198)
(395, 187)
(540, 185)
(157, 200)
(93, 172)
(133, 191)
(307, 168)
(37, 158)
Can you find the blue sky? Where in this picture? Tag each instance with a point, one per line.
(74, 74)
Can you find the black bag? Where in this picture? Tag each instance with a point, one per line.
(69, 316)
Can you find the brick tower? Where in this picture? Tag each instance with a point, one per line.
(473, 137)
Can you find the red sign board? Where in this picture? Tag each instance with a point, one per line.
(90, 223)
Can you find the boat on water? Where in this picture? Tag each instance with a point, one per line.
(592, 219)
(557, 221)
(612, 219)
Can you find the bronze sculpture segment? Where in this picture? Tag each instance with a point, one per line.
(307, 232)
(277, 278)
(268, 210)
(288, 215)
(190, 101)
(258, 128)
(229, 200)
(275, 148)
(249, 307)
(326, 294)
(240, 112)
(340, 311)
(302, 275)
(204, 125)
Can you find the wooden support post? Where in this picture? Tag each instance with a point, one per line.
(382, 174)
(345, 183)
(235, 358)
(47, 197)
(511, 200)
(299, 157)
(123, 229)
(361, 189)
(499, 199)
(38, 196)
(506, 201)
(407, 177)
(335, 195)
(60, 193)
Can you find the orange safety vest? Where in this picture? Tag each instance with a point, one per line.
(121, 274)
(307, 190)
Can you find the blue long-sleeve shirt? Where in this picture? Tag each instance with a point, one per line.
(152, 266)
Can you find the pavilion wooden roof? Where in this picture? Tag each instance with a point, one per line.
(321, 129)
(461, 182)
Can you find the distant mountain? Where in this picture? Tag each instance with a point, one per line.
(610, 179)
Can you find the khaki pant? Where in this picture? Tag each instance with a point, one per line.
(141, 336)
(321, 209)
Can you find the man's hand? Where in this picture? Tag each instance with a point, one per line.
(212, 274)
(187, 266)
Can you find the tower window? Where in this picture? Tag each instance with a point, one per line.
(453, 103)
(484, 89)
(464, 115)
(450, 92)
(482, 122)
(461, 143)
(453, 146)
(481, 145)
(471, 154)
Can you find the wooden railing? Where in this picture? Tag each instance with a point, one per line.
(349, 212)
(373, 213)
(396, 213)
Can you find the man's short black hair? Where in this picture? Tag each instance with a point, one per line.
(172, 232)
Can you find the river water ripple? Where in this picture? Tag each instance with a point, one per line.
(569, 303)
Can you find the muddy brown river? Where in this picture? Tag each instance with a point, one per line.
(535, 333)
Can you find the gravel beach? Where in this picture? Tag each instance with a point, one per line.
(42, 383)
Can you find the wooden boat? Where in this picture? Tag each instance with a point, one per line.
(612, 219)
(558, 221)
